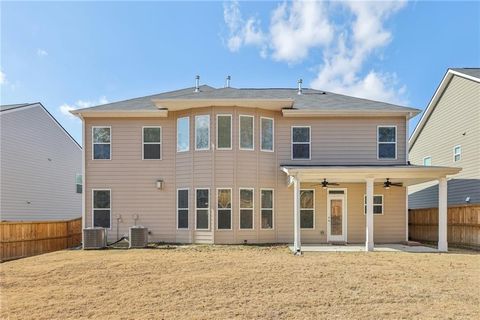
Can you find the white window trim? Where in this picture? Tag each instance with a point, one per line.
(309, 143)
(314, 211)
(396, 140)
(240, 129)
(240, 209)
(231, 209)
(459, 154)
(208, 209)
(144, 143)
(231, 135)
(94, 143)
(272, 208)
(187, 208)
(427, 157)
(374, 204)
(77, 184)
(93, 207)
(188, 133)
(209, 127)
(273, 134)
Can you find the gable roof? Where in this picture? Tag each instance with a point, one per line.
(472, 74)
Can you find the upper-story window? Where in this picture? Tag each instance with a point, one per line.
(246, 130)
(183, 134)
(266, 132)
(152, 143)
(202, 132)
(457, 153)
(78, 183)
(301, 142)
(387, 142)
(427, 161)
(101, 140)
(224, 131)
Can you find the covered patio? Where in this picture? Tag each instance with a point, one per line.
(388, 175)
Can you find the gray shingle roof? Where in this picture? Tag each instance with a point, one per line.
(474, 72)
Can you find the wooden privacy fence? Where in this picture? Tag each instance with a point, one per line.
(463, 226)
(24, 239)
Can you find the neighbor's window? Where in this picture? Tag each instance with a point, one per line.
(152, 143)
(101, 139)
(101, 208)
(301, 143)
(427, 161)
(307, 209)
(78, 183)
(246, 132)
(267, 208)
(457, 153)
(246, 208)
(224, 131)
(224, 209)
(202, 209)
(266, 131)
(202, 132)
(377, 204)
(182, 208)
(387, 142)
(183, 134)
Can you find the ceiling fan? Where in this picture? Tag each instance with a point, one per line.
(387, 184)
(325, 184)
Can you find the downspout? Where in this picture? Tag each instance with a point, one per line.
(407, 147)
(84, 178)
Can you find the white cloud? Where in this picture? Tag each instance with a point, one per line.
(3, 78)
(80, 104)
(42, 52)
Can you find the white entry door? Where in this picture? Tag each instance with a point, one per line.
(336, 214)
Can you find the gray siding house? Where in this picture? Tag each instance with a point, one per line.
(448, 134)
(41, 166)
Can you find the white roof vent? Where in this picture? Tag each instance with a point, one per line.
(300, 81)
(227, 82)
(197, 83)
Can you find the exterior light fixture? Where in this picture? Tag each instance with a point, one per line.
(159, 184)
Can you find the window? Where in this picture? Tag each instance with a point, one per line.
(182, 208)
(301, 143)
(246, 132)
(183, 134)
(224, 131)
(457, 153)
(246, 208)
(266, 208)
(202, 132)
(224, 209)
(152, 143)
(387, 142)
(427, 161)
(101, 208)
(101, 139)
(202, 209)
(266, 131)
(307, 209)
(377, 204)
(78, 183)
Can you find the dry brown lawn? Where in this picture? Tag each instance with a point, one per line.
(225, 282)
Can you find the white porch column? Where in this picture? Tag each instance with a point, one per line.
(297, 245)
(442, 215)
(369, 225)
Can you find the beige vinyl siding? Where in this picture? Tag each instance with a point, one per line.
(454, 121)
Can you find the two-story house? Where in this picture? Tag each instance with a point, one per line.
(206, 165)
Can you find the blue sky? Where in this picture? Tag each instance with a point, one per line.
(77, 54)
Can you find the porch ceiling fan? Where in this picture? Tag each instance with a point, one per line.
(387, 184)
(325, 184)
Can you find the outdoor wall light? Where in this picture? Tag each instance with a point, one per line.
(159, 184)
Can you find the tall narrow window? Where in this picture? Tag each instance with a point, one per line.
(246, 130)
(267, 208)
(202, 209)
(152, 143)
(101, 139)
(427, 161)
(78, 183)
(266, 130)
(377, 204)
(182, 208)
(457, 153)
(246, 208)
(224, 209)
(301, 143)
(183, 134)
(101, 208)
(224, 131)
(387, 142)
(202, 132)
(307, 209)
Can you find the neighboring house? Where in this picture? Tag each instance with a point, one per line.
(448, 134)
(40, 165)
(206, 165)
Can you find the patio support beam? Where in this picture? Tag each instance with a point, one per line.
(369, 225)
(297, 246)
(442, 214)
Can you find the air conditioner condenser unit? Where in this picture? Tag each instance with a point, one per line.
(138, 237)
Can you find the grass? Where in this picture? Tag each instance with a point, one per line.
(247, 282)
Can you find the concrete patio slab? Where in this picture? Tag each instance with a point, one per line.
(361, 248)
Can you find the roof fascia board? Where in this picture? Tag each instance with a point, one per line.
(182, 104)
(121, 114)
(291, 113)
